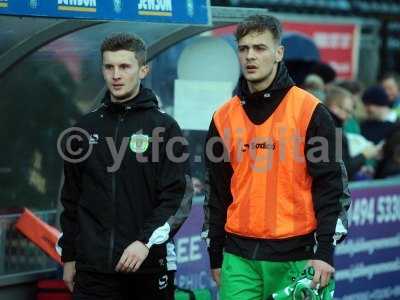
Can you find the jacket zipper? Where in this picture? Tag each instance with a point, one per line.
(114, 196)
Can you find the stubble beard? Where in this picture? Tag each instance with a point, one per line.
(127, 96)
(262, 79)
(264, 82)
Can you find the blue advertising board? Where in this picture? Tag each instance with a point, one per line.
(192, 256)
(156, 11)
(367, 263)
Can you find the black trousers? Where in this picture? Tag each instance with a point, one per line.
(97, 286)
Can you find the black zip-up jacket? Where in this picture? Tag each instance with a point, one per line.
(108, 206)
(330, 192)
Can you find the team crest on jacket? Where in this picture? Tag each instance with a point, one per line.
(139, 143)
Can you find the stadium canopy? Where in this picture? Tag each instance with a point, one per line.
(22, 35)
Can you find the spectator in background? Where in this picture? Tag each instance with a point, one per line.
(391, 83)
(340, 104)
(315, 85)
(380, 119)
(352, 125)
(389, 166)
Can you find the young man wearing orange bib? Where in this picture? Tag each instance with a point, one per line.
(278, 194)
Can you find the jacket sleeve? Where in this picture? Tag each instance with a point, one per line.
(70, 195)
(174, 190)
(218, 195)
(331, 196)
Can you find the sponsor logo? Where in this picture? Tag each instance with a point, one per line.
(263, 146)
(155, 8)
(139, 143)
(163, 282)
(190, 8)
(94, 139)
(33, 4)
(117, 6)
(3, 3)
(77, 5)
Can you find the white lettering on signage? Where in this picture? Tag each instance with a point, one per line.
(188, 249)
(351, 247)
(369, 211)
(362, 211)
(360, 270)
(340, 67)
(83, 3)
(194, 281)
(388, 292)
(388, 209)
(155, 5)
(333, 40)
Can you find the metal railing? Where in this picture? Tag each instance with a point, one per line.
(19, 257)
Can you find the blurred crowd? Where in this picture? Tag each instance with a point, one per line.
(369, 117)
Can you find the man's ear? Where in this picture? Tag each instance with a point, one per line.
(279, 53)
(143, 71)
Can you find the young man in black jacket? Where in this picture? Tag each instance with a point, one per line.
(264, 223)
(132, 191)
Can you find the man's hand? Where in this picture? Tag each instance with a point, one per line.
(372, 152)
(69, 274)
(216, 275)
(133, 257)
(323, 272)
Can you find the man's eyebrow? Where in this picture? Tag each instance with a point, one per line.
(252, 45)
(118, 64)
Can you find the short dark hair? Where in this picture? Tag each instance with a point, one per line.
(260, 23)
(126, 41)
(391, 75)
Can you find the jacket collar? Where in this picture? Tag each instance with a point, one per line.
(145, 99)
(281, 81)
(338, 122)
